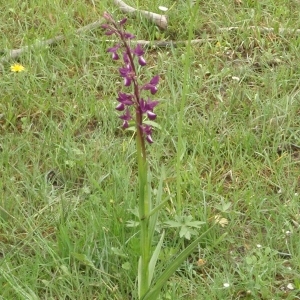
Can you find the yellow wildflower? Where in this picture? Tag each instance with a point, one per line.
(17, 68)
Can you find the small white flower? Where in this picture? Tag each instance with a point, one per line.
(290, 286)
(162, 8)
(258, 246)
(226, 285)
(235, 78)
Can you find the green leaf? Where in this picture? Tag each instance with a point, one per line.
(195, 224)
(169, 271)
(159, 206)
(167, 254)
(153, 124)
(126, 266)
(83, 259)
(187, 219)
(131, 128)
(154, 257)
(65, 270)
(86, 261)
(173, 224)
(224, 206)
(184, 232)
(118, 252)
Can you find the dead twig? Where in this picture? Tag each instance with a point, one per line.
(263, 29)
(159, 20)
(168, 44)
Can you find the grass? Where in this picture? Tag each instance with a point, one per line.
(68, 173)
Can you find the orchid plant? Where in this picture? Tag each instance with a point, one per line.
(134, 107)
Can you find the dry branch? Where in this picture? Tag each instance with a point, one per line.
(263, 29)
(159, 20)
(168, 44)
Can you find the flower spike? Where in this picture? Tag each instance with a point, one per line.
(130, 102)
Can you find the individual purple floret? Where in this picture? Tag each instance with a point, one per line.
(127, 73)
(126, 118)
(147, 130)
(147, 107)
(114, 50)
(138, 51)
(152, 85)
(129, 101)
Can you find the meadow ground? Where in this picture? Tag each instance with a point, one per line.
(68, 173)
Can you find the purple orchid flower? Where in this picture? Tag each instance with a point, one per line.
(126, 58)
(139, 52)
(128, 36)
(125, 100)
(147, 131)
(127, 73)
(123, 21)
(126, 118)
(152, 85)
(114, 50)
(147, 107)
(128, 102)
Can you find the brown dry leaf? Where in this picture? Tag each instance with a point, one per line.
(221, 221)
(201, 262)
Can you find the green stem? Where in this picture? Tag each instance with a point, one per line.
(144, 209)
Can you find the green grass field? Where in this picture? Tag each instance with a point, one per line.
(68, 172)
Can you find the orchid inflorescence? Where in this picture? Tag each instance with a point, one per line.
(128, 72)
